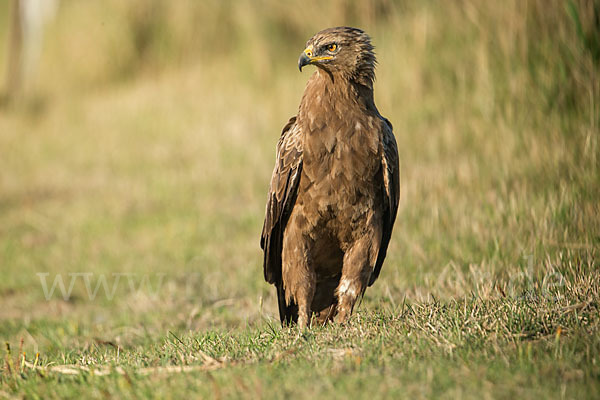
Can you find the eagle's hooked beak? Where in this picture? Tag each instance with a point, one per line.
(308, 57)
(303, 60)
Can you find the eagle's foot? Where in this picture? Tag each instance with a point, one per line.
(321, 318)
(348, 293)
(304, 314)
(345, 308)
(303, 321)
(342, 316)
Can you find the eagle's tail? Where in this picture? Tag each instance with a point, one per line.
(288, 314)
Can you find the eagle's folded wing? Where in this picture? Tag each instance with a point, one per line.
(391, 180)
(281, 198)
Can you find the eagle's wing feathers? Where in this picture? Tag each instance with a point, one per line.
(391, 181)
(281, 198)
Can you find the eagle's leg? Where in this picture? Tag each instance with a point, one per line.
(358, 264)
(299, 277)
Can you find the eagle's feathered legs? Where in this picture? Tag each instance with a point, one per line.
(359, 261)
(299, 277)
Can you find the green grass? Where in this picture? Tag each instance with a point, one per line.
(145, 147)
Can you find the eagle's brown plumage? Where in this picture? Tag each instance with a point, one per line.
(335, 188)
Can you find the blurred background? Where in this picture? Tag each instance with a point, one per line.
(138, 137)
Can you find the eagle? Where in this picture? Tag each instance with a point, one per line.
(335, 188)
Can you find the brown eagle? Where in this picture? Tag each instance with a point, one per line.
(335, 188)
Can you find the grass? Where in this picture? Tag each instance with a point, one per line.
(151, 171)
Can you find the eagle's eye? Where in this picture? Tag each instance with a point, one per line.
(332, 47)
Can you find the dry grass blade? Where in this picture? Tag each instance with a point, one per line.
(103, 371)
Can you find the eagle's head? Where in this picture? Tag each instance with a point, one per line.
(342, 50)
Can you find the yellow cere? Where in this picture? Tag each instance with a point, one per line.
(309, 51)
